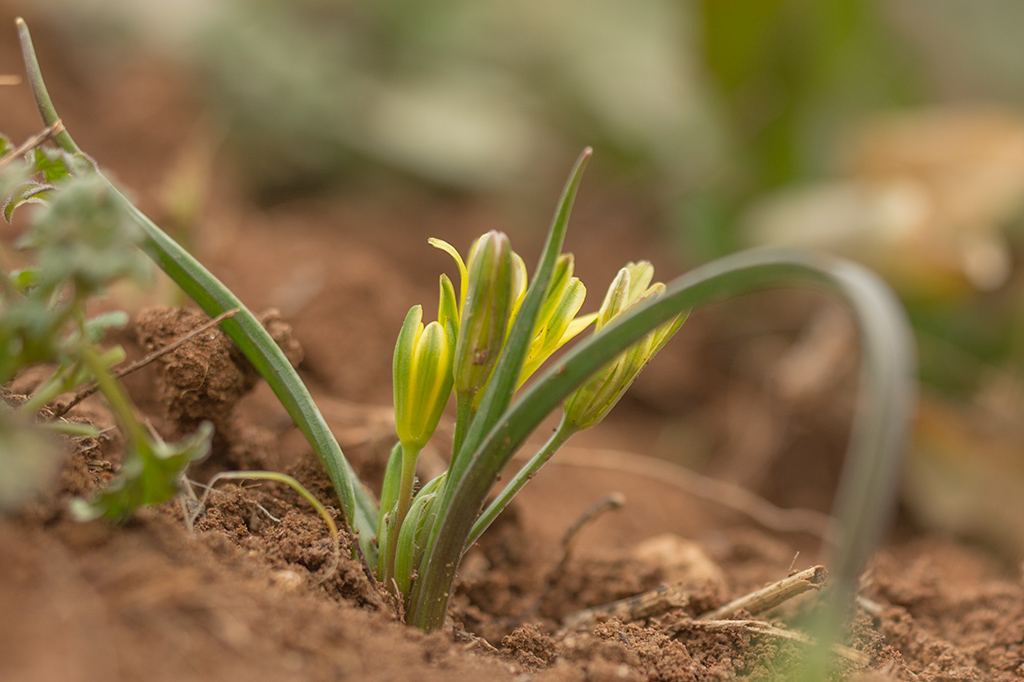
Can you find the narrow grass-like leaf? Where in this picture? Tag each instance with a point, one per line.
(880, 429)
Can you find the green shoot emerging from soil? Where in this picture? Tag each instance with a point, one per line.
(492, 335)
(460, 353)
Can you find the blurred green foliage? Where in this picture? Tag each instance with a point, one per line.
(791, 76)
(702, 109)
(78, 240)
(463, 94)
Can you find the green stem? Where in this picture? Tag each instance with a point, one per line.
(42, 96)
(244, 329)
(522, 477)
(115, 394)
(59, 381)
(72, 429)
(409, 458)
(463, 417)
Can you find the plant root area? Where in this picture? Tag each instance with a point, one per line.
(756, 394)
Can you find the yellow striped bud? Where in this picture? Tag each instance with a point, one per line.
(590, 403)
(422, 379)
(486, 311)
(556, 323)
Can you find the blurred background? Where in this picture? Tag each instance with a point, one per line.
(889, 132)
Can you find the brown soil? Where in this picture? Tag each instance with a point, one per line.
(248, 593)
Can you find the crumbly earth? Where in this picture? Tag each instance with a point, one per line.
(243, 587)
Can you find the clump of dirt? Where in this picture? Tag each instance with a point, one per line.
(201, 376)
(205, 377)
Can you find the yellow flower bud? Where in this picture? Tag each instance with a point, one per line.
(486, 311)
(556, 323)
(590, 403)
(422, 379)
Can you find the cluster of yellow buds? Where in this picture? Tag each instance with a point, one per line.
(461, 349)
(493, 285)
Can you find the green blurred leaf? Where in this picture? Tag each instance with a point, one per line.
(30, 333)
(25, 279)
(57, 165)
(149, 476)
(29, 192)
(52, 163)
(85, 236)
(97, 326)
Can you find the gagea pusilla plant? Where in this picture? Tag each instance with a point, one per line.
(488, 346)
(460, 353)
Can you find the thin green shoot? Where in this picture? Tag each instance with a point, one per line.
(287, 480)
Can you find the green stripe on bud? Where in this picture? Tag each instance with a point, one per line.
(422, 379)
(486, 311)
(590, 403)
(448, 306)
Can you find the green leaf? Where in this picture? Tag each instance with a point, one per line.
(57, 165)
(97, 326)
(149, 476)
(30, 192)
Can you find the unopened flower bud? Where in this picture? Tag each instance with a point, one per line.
(422, 379)
(556, 323)
(590, 403)
(486, 311)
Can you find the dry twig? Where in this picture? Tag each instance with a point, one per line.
(647, 605)
(676, 595)
(770, 596)
(759, 627)
(32, 142)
